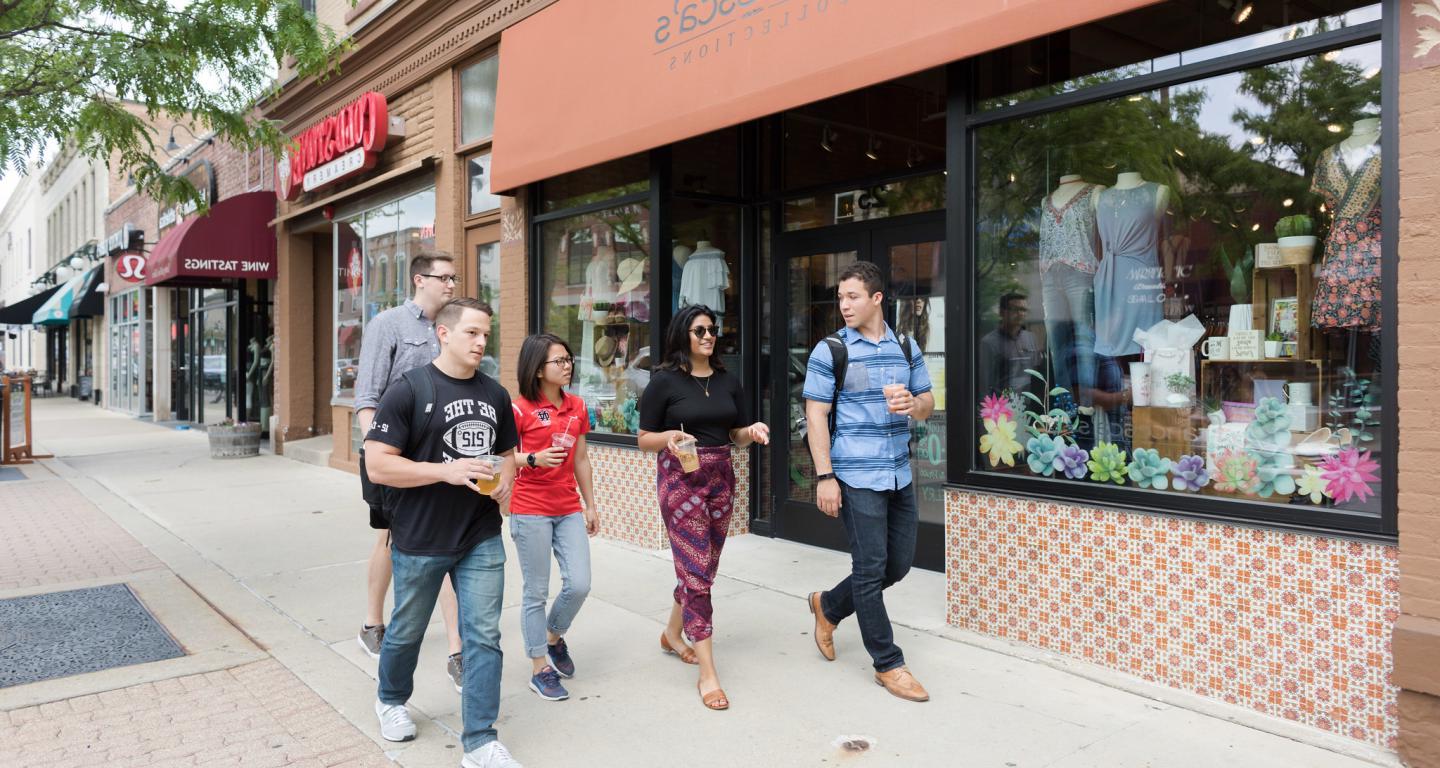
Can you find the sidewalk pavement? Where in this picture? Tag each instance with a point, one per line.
(257, 566)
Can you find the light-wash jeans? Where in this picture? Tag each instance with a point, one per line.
(1068, 297)
(536, 536)
(479, 579)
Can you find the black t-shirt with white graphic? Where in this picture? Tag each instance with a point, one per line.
(472, 417)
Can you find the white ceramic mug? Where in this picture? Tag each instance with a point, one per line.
(1216, 348)
(1299, 392)
(1140, 383)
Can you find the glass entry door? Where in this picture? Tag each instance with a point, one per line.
(910, 252)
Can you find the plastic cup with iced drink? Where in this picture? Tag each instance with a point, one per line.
(488, 487)
(893, 387)
(562, 440)
(686, 453)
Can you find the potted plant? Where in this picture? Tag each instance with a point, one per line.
(1296, 237)
(1179, 387)
(1273, 343)
(234, 440)
(599, 311)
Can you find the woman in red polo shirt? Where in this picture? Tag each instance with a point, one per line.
(546, 514)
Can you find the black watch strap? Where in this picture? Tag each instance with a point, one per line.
(824, 477)
(530, 459)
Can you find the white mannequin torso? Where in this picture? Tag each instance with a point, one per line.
(1070, 186)
(1362, 143)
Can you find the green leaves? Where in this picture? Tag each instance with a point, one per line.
(109, 78)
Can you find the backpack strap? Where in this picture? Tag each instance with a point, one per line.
(422, 387)
(839, 364)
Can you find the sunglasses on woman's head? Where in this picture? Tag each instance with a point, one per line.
(701, 330)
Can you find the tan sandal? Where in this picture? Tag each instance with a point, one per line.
(685, 653)
(715, 699)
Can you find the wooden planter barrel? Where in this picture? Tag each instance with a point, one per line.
(235, 441)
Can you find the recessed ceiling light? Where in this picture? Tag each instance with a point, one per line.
(1242, 12)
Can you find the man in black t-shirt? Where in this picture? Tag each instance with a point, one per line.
(427, 441)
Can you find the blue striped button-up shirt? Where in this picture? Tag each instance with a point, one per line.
(872, 445)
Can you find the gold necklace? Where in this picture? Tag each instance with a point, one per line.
(705, 386)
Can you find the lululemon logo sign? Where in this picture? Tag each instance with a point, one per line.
(130, 266)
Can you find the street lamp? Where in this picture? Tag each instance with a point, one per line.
(172, 146)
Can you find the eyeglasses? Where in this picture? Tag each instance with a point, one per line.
(563, 362)
(701, 330)
(451, 279)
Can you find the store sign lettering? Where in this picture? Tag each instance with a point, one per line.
(693, 31)
(338, 147)
(167, 218)
(227, 265)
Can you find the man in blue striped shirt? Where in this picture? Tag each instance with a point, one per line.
(864, 473)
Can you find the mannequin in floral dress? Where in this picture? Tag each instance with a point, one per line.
(1347, 285)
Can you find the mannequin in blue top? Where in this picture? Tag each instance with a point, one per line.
(864, 472)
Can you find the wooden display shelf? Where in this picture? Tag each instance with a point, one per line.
(1286, 281)
(1313, 370)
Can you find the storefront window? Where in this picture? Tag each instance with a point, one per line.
(1173, 35)
(487, 259)
(596, 290)
(373, 249)
(1180, 290)
(705, 246)
(477, 100)
(896, 198)
(480, 199)
(596, 184)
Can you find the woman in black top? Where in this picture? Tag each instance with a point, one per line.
(692, 397)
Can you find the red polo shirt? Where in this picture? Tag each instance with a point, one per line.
(541, 490)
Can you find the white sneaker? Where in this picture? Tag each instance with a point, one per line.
(492, 755)
(395, 722)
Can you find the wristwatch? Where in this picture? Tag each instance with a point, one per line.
(824, 477)
(530, 459)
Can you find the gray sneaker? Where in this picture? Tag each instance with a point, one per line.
(370, 639)
(395, 722)
(492, 755)
(456, 670)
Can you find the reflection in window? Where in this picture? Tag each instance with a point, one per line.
(480, 200)
(596, 287)
(487, 259)
(477, 99)
(1152, 39)
(896, 198)
(596, 183)
(372, 271)
(1181, 289)
(705, 245)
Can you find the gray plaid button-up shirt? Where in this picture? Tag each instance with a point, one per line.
(397, 340)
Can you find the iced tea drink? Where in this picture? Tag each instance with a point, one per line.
(689, 458)
(562, 440)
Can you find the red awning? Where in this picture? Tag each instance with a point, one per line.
(234, 241)
(585, 82)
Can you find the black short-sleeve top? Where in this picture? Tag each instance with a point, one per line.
(708, 406)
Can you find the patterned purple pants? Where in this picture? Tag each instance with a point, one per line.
(696, 509)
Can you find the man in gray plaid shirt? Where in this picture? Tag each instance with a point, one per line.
(395, 341)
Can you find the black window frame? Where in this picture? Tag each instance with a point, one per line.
(963, 120)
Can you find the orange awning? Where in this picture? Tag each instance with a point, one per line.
(584, 82)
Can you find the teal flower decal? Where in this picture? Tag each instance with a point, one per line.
(1043, 451)
(1148, 470)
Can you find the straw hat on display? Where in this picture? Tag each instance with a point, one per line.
(605, 348)
(631, 272)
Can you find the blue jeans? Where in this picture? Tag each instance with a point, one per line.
(479, 579)
(536, 536)
(1111, 378)
(881, 526)
(1068, 297)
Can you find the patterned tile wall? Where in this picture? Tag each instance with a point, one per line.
(1291, 625)
(625, 493)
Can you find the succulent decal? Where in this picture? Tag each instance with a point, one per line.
(1236, 472)
(1190, 474)
(1107, 464)
(1348, 475)
(999, 442)
(995, 408)
(1148, 470)
(1071, 460)
(1312, 483)
(1042, 452)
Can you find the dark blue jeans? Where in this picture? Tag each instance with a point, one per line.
(881, 526)
(479, 579)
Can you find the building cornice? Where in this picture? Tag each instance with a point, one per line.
(405, 45)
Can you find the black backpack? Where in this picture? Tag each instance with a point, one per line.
(423, 410)
(840, 361)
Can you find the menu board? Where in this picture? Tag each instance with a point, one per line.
(15, 403)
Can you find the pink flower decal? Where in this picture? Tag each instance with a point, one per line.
(995, 408)
(1348, 474)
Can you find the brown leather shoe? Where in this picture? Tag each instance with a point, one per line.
(901, 683)
(824, 630)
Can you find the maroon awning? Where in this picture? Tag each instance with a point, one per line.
(234, 241)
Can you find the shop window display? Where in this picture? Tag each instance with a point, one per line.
(373, 249)
(596, 287)
(705, 246)
(1179, 290)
